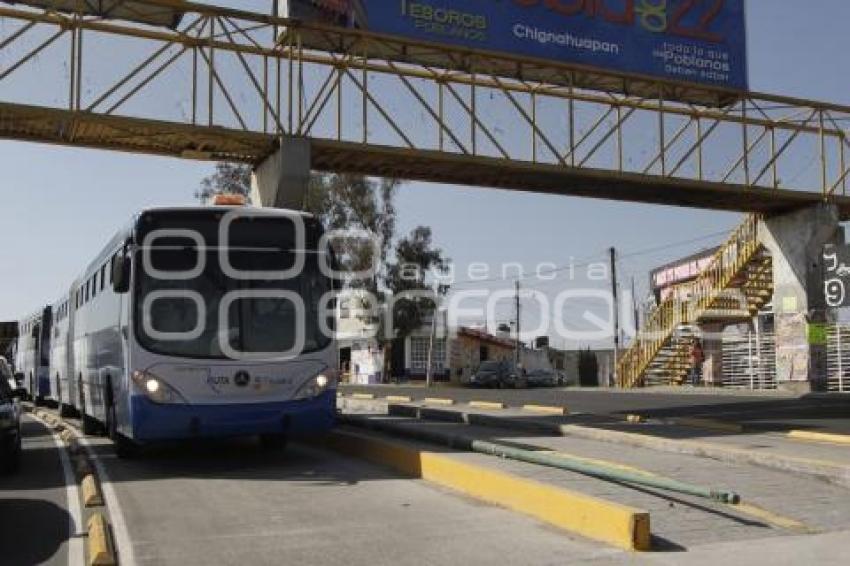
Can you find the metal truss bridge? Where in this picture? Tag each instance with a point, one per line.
(221, 84)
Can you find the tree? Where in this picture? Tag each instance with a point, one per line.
(416, 259)
(229, 178)
(355, 202)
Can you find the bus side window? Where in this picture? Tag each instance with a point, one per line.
(112, 268)
(94, 285)
(102, 276)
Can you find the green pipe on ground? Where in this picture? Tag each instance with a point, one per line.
(560, 461)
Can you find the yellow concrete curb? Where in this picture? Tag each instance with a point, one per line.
(438, 401)
(363, 396)
(709, 424)
(399, 398)
(594, 518)
(548, 409)
(811, 436)
(91, 492)
(486, 405)
(101, 549)
(635, 419)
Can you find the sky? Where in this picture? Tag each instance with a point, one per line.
(58, 205)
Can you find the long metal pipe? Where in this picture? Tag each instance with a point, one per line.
(560, 461)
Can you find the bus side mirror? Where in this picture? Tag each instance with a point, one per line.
(121, 274)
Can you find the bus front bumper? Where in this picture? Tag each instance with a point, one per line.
(152, 421)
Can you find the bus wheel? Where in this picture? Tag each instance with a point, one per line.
(90, 427)
(123, 446)
(273, 442)
(65, 410)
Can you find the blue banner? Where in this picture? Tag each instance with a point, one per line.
(700, 41)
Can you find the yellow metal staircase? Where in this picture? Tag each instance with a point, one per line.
(735, 285)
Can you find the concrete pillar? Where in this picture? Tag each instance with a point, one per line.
(712, 348)
(795, 241)
(281, 181)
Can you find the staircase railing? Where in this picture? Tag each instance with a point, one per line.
(711, 284)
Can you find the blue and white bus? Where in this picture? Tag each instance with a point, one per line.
(32, 357)
(201, 322)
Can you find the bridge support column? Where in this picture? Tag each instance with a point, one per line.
(795, 241)
(282, 180)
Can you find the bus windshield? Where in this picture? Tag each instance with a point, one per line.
(185, 314)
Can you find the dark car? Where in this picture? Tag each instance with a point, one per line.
(499, 374)
(489, 374)
(543, 378)
(10, 427)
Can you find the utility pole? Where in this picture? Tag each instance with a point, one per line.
(431, 348)
(517, 359)
(616, 312)
(635, 308)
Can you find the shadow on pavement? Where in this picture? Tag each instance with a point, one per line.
(31, 531)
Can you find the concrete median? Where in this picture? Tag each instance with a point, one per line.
(591, 517)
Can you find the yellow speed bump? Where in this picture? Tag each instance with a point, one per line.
(635, 419)
(819, 436)
(594, 518)
(101, 549)
(438, 401)
(91, 492)
(363, 396)
(486, 405)
(709, 424)
(546, 409)
(399, 398)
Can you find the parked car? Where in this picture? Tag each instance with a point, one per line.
(10, 427)
(499, 374)
(543, 378)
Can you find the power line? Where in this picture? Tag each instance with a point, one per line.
(585, 263)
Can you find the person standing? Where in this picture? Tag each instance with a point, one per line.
(697, 359)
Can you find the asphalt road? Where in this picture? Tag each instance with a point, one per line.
(36, 526)
(815, 410)
(230, 503)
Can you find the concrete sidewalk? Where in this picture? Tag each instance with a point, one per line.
(775, 504)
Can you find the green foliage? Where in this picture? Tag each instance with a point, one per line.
(229, 178)
(416, 260)
(357, 203)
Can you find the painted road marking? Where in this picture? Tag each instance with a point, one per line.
(810, 436)
(438, 401)
(76, 550)
(486, 405)
(548, 409)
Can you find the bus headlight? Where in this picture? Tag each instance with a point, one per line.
(314, 386)
(156, 389)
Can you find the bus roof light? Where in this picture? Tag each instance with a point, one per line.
(229, 199)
